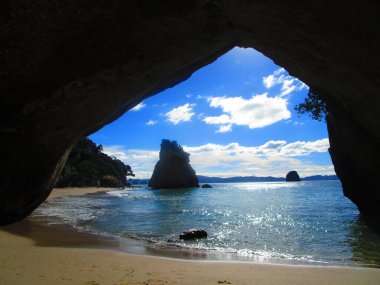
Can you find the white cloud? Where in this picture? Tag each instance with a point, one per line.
(180, 114)
(201, 97)
(274, 158)
(270, 148)
(188, 95)
(301, 148)
(138, 107)
(151, 122)
(288, 83)
(218, 120)
(298, 123)
(141, 161)
(224, 128)
(257, 112)
(269, 81)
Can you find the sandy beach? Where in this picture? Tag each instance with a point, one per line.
(75, 191)
(38, 254)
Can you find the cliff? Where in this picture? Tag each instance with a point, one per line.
(88, 166)
(173, 170)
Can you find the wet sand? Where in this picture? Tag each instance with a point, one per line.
(32, 252)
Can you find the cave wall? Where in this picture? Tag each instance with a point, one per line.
(70, 67)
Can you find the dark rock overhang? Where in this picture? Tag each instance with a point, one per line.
(69, 68)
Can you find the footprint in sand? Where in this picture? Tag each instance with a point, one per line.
(155, 282)
(224, 282)
(92, 283)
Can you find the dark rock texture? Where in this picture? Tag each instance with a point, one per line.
(70, 67)
(292, 176)
(193, 234)
(206, 186)
(173, 170)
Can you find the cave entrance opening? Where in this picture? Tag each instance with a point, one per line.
(234, 116)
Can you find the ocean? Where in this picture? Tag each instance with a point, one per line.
(308, 222)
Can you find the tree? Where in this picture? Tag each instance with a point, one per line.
(87, 165)
(314, 106)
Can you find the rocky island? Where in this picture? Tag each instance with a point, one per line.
(173, 170)
(292, 176)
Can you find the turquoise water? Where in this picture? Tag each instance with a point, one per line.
(308, 222)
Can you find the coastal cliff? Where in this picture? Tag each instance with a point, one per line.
(88, 166)
(173, 170)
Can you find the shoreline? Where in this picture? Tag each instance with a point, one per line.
(76, 191)
(36, 252)
(128, 244)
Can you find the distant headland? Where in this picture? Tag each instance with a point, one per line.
(237, 179)
(88, 166)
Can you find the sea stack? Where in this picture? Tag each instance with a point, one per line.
(292, 176)
(173, 170)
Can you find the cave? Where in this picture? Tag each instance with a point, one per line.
(67, 69)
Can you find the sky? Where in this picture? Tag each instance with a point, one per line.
(234, 116)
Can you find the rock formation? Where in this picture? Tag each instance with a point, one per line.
(173, 170)
(193, 234)
(206, 186)
(292, 176)
(67, 69)
(89, 166)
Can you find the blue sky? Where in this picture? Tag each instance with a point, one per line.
(235, 117)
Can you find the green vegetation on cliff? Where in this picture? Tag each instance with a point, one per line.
(87, 166)
(313, 105)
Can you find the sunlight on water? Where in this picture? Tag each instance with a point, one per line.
(308, 221)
